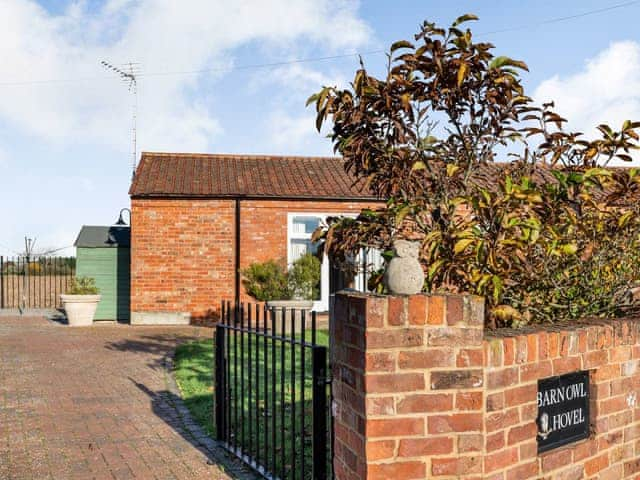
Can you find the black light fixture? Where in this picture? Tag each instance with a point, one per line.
(121, 221)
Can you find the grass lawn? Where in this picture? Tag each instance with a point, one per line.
(193, 371)
(292, 392)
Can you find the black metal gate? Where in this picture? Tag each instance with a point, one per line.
(272, 391)
(34, 282)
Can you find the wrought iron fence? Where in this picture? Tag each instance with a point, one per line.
(34, 282)
(272, 391)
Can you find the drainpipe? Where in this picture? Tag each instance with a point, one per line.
(237, 252)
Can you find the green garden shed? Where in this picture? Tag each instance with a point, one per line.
(104, 254)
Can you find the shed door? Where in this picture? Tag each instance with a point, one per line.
(111, 270)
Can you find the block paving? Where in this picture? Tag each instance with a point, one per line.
(95, 403)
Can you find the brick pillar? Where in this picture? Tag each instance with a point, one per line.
(408, 386)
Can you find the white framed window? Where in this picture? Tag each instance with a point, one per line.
(300, 228)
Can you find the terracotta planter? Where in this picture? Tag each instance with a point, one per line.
(80, 309)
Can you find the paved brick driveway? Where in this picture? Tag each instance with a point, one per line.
(93, 403)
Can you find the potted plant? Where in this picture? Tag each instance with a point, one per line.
(295, 289)
(302, 284)
(80, 301)
(266, 281)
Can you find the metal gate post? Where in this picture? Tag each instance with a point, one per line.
(221, 383)
(319, 445)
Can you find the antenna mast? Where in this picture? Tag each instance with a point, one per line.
(29, 243)
(128, 73)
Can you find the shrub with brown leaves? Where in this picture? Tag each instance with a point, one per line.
(552, 235)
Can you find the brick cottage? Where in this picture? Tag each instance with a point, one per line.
(197, 219)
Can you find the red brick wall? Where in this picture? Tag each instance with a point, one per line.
(610, 350)
(182, 251)
(408, 387)
(421, 394)
(181, 255)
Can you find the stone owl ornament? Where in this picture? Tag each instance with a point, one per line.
(404, 275)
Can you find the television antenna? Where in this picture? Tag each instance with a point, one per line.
(29, 244)
(128, 73)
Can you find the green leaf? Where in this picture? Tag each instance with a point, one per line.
(461, 245)
(418, 165)
(464, 18)
(575, 177)
(506, 312)
(428, 141)
(624, 219)
(512, 222)
(433, 269)
(503, 61)
(486, 196)
(535, 234)
(508, 184)
(483, 280)
(497, 288)
(534, 197)
(403, 212)
(597, 172)
(452, 169)
(312, 99)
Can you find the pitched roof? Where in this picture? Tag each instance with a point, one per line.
(91, 236)
(251, 176)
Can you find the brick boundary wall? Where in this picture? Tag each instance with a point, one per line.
(421, 390)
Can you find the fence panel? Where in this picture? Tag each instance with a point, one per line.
(272, 391)
(34, 282)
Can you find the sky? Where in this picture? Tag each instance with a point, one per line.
(225, 77)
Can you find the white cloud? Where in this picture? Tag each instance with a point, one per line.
(286, 130)
(290, 127)
(296, 134)
(301, 79)
(163, 35)
(607, 90)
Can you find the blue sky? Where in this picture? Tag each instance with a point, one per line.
(65, 122)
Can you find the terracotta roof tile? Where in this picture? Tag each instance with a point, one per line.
(218, 175)
(266, 176)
